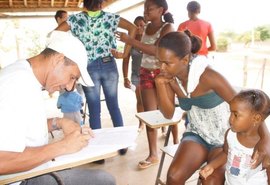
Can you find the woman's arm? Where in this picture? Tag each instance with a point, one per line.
(63, 27)
(145, 48)
(165, 96)
(212, 42)
(212, 80)
(262, 148)
(131, 28)
(125, 71)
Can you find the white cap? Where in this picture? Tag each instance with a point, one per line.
(72, 48)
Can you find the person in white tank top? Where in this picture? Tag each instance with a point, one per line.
(154, 12)
(249, 109)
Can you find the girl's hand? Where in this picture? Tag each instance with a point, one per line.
(127, 83)
(206, 171)
(124, 37)
(117, 54)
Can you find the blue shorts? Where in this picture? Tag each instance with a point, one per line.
(190, 136)
(135, 79)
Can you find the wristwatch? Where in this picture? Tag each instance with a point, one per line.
(54, 124)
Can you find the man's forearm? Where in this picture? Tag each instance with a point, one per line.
(31, 157)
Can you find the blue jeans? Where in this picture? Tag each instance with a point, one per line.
(105, 75)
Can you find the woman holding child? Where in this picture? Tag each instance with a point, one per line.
(204, 94)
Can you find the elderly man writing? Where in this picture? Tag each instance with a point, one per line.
(23, 123)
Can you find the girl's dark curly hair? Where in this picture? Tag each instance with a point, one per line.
(257, 100)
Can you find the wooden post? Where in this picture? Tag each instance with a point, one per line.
(263, 69)
(245, 71)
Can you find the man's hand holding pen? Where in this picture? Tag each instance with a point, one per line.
(76, 136)
(78, 139)
(85, 129)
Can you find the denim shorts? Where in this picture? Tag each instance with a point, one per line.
(135, 79)
(190, 136)
(147, 78)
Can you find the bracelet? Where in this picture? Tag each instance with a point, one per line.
(125, 78)
(54, 124)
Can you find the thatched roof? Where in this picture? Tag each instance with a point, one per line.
(20, 8)
(42, 5)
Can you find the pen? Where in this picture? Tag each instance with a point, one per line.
(82, 124)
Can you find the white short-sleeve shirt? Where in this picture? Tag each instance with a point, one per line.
(23, 121)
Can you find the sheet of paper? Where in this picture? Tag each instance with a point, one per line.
(105, 141)
(116, 136)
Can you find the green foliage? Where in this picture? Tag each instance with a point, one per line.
(20, 38)
(229, 34)
(261, 33)
(264, 32)
(222, 44)
(34, 44)
(5, 27)
(247, 37)
(244, 37)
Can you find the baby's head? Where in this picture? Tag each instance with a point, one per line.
(249, 108)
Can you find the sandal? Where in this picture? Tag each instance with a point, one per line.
(146, 164)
